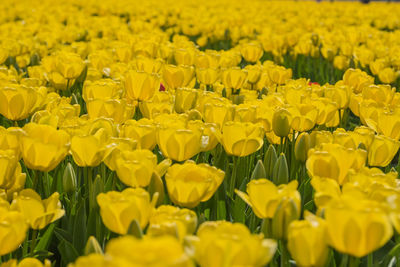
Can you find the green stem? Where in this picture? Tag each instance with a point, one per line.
(370, 260)
(354, 261)
(345, 259)
(233, 176)
(284, 254)
(33, 242)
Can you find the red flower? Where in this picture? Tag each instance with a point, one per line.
(313, 83)
(162, 87)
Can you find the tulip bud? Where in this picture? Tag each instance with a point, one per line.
(285, 213)
(97, 188)
(270, 160)
(259, 171)
(156, 186)
(69, 179)
(301, 147)
(280, 123)
(281, 171)
(93, 246)
(135, 230)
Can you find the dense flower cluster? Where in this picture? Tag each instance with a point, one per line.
(168, 133)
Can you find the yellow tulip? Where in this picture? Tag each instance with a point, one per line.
(173, 76)
(38, 213)
(13, 229)
(251, 52)
(303, 117)
(18, 102)
(382, 151)
(281, 122)
(341, 62)
(135, 168)
(207, 76)
(242, 138)
(114, 150)
(142, 131)
(210, 133)
(234, 78)
(387, 75)
(89, 150)
(173, 221)
(141, 85)
(148, 252)
(334, 161)
(357, 231)
(148, 65)
(27, 262)
(218, 113)
(43, 147)
(185, 99)
(357, 79)
(151, 109)
(10, 139)
(264, 197)
(179, 144)
(117, 109)
(119, 209)
(101, 89)
(9, 167)
(189, 184)
(235, 245)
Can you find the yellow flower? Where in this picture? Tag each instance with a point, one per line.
(27, 262)
(264, 197)
(119, 209)
(357, 79)
(218, 113)
(281, 122)
(13, 228)
(251, 52)
(43, 147)
(173, 221)
(242, 138)
(224, 243)
(117, 109)
(179, 144)
(101, 89)
(135, 168)
(382, 151)
(10, 139)
(387, 75)
(185, 99)
(37, 212)
(234, 78)
(334, 161)
(189, 184)
(142, 131)
(307, 241)
(173, 76)
(148, 252)
(89, 150)
(341, 62)
(357, 229)
(141, 85)
(18, 102)
(207, 76)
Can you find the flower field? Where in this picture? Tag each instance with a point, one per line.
(208, 133)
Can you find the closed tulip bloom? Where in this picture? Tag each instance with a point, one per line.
(388, 124)
(185, 99)
(148, 65)
(235, 245)
(207, 76)
(279, 74)
(173, 76)
(141, 85)
(264, 197)
(151, 109)
(142, 131)
(382, 151)
(148, 252)
(234, 78)
(189, 184)
(218, 113)
(170, 220)
(37, 212)
(18, 102)
(13, 229)
(307, 241)
(89, 150)
(334, 161)
(251, 52)
(281, 122)
(387, 75)
(356, 230)
(253, 73)
(179, 144)
(119, 209)
(15, 184)
(114, 150)
(303, 116)
(135, 168)
(101, 89)
(117, 109)
(10, 139)
(210, 134)
(43, 147)
(245, 113)
(302, 146)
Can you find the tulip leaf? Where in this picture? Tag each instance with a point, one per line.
(135, 230)
(79, 230)
(239, 206)
(67, 251)
(44, 242)
(62, 234)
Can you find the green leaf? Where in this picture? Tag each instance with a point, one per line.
(45, 239)
(79, 230)
(67, 251)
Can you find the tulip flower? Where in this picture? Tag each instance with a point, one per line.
(242, 139)
(235, 244)
(382, 151)
(185, 99)
(38, 213)
(189, 184)
(119, 209)
(141, 85)
(43, 147)
(142, 131)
